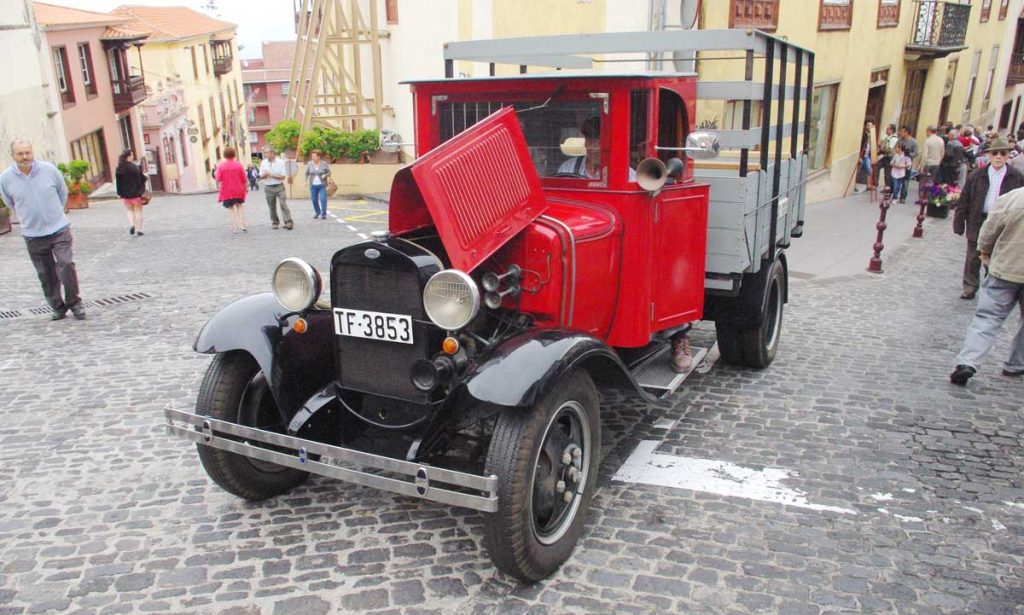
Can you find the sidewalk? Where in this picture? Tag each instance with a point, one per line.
(839, 235)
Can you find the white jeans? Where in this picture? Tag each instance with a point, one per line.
(995, 302)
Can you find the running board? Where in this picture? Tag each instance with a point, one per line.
(656, 377)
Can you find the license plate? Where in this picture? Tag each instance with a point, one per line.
(373, 325)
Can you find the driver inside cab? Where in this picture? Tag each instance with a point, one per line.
(588, 165)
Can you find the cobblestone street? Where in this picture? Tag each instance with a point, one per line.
(909, 490)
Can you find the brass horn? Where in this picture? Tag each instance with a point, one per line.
(651, 174)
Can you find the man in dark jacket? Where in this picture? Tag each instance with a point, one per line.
(979, 194)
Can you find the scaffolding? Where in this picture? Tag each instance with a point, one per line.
(331, 70)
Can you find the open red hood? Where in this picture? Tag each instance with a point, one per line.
(479, 189)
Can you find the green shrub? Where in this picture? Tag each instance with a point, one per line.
(284, 136)
(336, 144)
(73, 173)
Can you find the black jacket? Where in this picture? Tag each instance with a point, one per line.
(131, 181)
(971, 205)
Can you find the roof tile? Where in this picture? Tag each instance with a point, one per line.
(168, 23)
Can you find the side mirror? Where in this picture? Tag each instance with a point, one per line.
(702, 145)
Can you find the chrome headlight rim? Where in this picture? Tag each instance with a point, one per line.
(312, 276)
(474, 296)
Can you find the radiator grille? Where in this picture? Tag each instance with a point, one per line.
(372, 366)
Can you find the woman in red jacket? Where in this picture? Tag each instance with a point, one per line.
(231, 176)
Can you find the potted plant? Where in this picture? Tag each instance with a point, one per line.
(78, 188)
(940, 198)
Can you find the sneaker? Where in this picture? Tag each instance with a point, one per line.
(140, 233)
(682, 360)
(962, 374)
(59, 315)
(78, 311)
(131, 231)
(288, 226)
(276, 225)
(1013, 372)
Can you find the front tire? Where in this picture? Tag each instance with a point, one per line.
(235, 390)
(539, 455)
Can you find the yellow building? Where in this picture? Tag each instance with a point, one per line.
(192, 60)
(915, 62)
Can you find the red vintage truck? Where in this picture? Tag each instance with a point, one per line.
(556, 233)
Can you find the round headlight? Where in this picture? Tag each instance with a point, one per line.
(451, 299)
(296, 284)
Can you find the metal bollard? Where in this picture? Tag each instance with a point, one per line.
(875, 264)
(924, 187)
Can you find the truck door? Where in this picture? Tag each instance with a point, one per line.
(680, 226)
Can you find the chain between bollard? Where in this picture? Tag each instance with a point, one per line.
(875, 264)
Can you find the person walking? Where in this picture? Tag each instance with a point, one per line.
(900, 168)
(274, 171)
(980, 191)
(953, 159)
(131, 185)
(317, 172)
(1001, 245)
(253, 176)
(36, 191)
(231, 177)
(910, 148)
(934, 150)
(886, 149)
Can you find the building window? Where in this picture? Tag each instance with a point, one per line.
(195, 64)
(184, 147)
(1004, 8)
(202, 123)
(85, 62)
(253, 137)
(971, 83)
(990, 77)
(733, 119)
(60, 69)
(823, 105)
(92, 149)
(888, 13)
(761, 14)
(391, 11)
(986, 10)
(285, 88)
(835, 14)
(124, 127)
(214, 127)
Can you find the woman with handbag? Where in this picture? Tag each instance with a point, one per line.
(131, 186)
(318, 175)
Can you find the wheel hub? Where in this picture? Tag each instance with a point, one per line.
(560, 474)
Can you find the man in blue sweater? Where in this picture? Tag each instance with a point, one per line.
(37, 192)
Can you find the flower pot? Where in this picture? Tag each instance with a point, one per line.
(937, 211)
(77, 201)
(5, 220)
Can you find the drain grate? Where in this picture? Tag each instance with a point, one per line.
(105, 302)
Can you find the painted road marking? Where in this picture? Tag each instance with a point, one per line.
(363, 235)
(352, 228)
(647, 467)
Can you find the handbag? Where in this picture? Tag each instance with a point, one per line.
(146, 197)
(331, 186)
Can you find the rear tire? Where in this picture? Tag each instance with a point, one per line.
(235, 390)
(535, 530)
(760, 342)
(729, 349)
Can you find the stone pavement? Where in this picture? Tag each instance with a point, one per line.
(915, 486)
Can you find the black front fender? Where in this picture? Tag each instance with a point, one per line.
(295, 365)
(522, 370)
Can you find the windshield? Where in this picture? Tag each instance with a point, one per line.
(565, 137)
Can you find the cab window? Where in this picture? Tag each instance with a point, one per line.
(565, 137)
(672, 125)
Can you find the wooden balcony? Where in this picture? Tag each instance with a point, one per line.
(222, 65)
(1015, 76)
(939, 29)
(128, 92)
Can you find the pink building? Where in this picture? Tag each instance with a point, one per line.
(164, 132)
(265, 87)
(98, 93)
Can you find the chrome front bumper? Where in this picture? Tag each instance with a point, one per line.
(412, 479)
